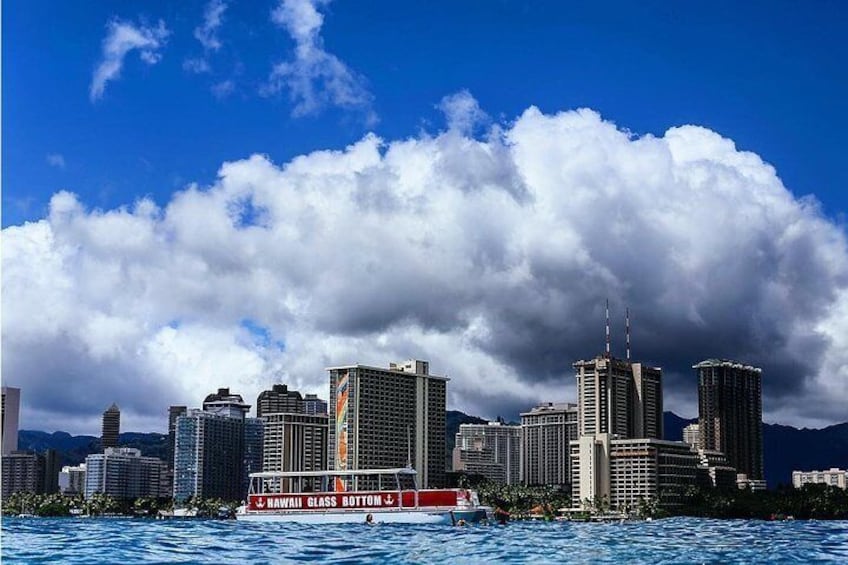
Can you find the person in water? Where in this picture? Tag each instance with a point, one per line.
(501, 515)
(369, 519)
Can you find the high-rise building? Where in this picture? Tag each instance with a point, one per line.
(216, 448)
(23, 471)
(174, 412)
(692, 435)
(279, 400)
(51, 471)
(72, 479)
(546, 432)
(730, 407)
(295, 442)
(624, 472)
(27, 471)
(492, 450)
(10, 413)
(646, 402)
(295, 436)
(122, 472)
(385, 418)
(209, 456)
(314, 405)
(619, 397)
(254, 439)
(111, 426)
(225, 403)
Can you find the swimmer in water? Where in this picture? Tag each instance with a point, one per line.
(369, 519)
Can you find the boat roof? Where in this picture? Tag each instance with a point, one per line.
(334, 473)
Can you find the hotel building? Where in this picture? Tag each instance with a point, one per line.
(121, 472)
(492, 450)
(619, 397)
(27, 471)
(387, 418)
(279, 400)
(111, 426)
(9, 413)
(624, 472)
(209, 460)
(295, 442)
(314, 405)
(72, 480)
(730, 410)
(546, 431)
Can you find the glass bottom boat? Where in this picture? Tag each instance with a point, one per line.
(360, 496)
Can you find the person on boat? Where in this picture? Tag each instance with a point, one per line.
(369, 519)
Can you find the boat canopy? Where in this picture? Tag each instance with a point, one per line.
(333, 473)
(332, 480)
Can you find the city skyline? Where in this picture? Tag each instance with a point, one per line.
(233, 194)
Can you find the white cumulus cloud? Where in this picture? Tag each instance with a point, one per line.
(490, 258)
(121, 38)
(314, 78)
(463, 112)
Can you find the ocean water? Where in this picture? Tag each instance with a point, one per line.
(675, 540)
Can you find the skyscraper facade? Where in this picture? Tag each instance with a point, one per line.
(23, 471)
(314, 405)
(619, 397)
(122, 472)
(730, 413)
(492, 450)
(386, 418)
(111, 426)
(546, 432)
(209, 456)
(225, 403)
(209, 449)
(625, 472)
(295, 442)
(174, 412)
(279, 400)
(10, 413)
(254, 443)
(72, 480)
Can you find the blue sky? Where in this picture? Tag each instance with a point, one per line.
(228, 193)
(769, 75)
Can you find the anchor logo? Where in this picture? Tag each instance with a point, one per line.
(389, 500)
(260, 502)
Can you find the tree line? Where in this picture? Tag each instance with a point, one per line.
(99, 504)
(810, 502)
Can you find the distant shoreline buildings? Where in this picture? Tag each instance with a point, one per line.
(607, 451)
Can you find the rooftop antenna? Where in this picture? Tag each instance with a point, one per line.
(607, 352)
(627, 330)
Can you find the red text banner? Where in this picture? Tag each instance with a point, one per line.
(325, 501)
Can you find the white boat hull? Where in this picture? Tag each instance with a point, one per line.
(446, 517)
